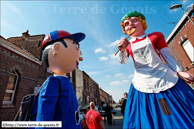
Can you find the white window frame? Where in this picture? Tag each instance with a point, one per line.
(189, 49)
(12, 91)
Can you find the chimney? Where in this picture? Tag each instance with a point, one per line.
(25, 34)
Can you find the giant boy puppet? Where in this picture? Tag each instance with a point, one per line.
(158, 96)
(62, 55)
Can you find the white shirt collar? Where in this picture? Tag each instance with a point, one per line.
(62, 76)
(140, 37)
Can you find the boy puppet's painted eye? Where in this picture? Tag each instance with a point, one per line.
(77, 45)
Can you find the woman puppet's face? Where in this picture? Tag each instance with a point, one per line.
(133, 22)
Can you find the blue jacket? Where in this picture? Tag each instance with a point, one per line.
(66, 109)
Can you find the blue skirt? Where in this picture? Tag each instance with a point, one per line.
(170, 109)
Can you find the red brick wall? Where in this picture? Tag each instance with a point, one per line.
(31, 74)
(102, 95)
(90, 91)
(177, 49)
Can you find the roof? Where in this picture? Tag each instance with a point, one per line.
(84, 73)
(105, 92)
(30, 36)
(12, 47)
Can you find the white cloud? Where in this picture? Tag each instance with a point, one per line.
(125, 80)
(11, 30)
(172, 10)
(119, 74)
(16, 10)
(192, 4)
(107, 76)
(112, 56)
(103, 58)
(185, 1)
(99, 50)
(4, 24)
(90, 73)
(116, 83)
(114, 43)
(130, 76)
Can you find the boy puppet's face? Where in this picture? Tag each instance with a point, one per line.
(64, 58)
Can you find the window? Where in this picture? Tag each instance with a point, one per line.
(96, 101)
(189, 49)
(84, 83)
(39, 43)
(88, 99)
(87, 85)
(90, 87)
(78, 89)
(10, 89)
(94, 89)
(85, 99)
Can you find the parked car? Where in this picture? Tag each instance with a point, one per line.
(85, 108)
(103, 113)
(83, 120)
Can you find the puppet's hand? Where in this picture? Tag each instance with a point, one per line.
(189, 78)
(123, 43)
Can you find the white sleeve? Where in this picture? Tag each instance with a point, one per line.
(123, 57)
(170, 60)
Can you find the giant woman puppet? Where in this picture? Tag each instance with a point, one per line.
(158, 96)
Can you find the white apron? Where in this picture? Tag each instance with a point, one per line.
(151, 75)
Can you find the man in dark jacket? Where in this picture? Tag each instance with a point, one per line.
(124, 104)
(109, 114)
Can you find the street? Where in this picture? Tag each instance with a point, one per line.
(117, 120)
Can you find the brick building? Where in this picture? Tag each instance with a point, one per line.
(105, 97)
(79, 86)
(90, 91)
(181, 41)
(20, 72)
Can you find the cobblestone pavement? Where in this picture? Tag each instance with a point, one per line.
(117, 121)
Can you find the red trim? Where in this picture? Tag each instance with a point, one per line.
(157, 39)
(46, 40)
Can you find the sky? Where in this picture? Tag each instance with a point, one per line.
(100, 21)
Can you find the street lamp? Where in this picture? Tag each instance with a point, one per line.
(178, 6)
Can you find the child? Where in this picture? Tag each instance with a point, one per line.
(158, 96)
